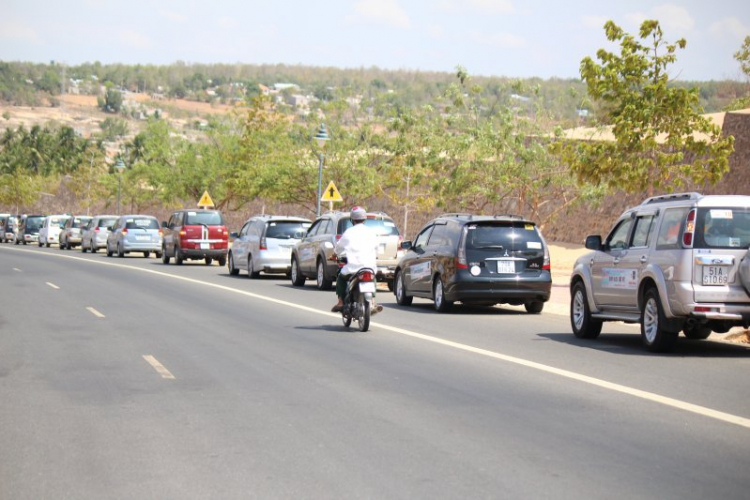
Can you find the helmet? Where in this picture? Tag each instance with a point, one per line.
(358, 213)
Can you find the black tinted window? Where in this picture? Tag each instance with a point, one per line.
(141, 223)
(440, 236)
(207, 218)
(34, 222)
(285, 230)
(505, 235)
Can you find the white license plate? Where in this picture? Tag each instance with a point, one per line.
(381, 249)
(506, 266)
(143, 238)
(205, 246)
(715, 275)
(367, 287)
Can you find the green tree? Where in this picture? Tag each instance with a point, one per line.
(743, 57)
(661, 139)
(112, 102)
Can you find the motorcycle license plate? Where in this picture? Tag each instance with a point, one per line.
(367, 287)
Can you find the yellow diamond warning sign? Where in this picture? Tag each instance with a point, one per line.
(206, 201)
(331, 193)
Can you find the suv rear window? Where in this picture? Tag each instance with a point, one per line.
(204, 218)
(286, 230)
(142, 224)
(723, 228)
(383, 227)
(505, 235)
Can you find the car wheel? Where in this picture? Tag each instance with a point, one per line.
(83, 247)
(534, 307)
(178, 258)
(164, 256)
(402, 298)
(93, 247)
(654, 334)
(47, 244)
(222, 261)
(696, 332)
(40, 243)
(584, 326)
(438, 295)
(208, 261)
(232, 269)
(390, 285)
(147, 254)
(251, 272)
(109, 252)
(120, 251)
(157, 255)
(321, 281)
(296, 276)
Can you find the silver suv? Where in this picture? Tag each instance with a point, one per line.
(674, 263)
(311, 257)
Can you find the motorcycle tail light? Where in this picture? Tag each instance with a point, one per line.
(366, 276)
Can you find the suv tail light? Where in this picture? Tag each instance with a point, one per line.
(461, 256)
(124, 230)
(687, 236)
(547, 264)
(366, 276)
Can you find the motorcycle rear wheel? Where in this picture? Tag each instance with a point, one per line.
(364, 314)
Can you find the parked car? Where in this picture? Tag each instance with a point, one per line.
(195, 234)
(265, 244)
(28, 229)
(70, 235)
(673, 263)
(11, 226)
(475, 259)
(311, 256)
(94, 235)
(135, 233)
(49, 233)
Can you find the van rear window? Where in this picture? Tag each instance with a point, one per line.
(204, 218)
(286, 230)
(510, 235)
(722, 228)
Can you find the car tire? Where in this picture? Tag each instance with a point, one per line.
(402, 298)
(390, 285)
(157, 255)
(208, 261)
(40, 243)
(583, 325)
(178, 258)
(109, 252)
(321, 281)
(438, 295)
(295, 274)
(47, 244)
(93, 247)
(164, 256)
(696, 332)
(83, 247)
(251, 272)
(230, 265)
(534, 307)
(222, 261)
(654, 334)
(120, 251)
(147, 254)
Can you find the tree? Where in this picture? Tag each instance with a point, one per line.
(661, 139)
(743, 57)
(112, 102)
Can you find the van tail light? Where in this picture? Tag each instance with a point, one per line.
(366, 276)
(547, 264)
(687, 236)
(124, 230)
(262, 245)
(461, 264)
(183, 233)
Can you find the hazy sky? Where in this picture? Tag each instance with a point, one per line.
(488, 37)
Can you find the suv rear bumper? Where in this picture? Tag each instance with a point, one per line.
(501, 290)
(215, 253)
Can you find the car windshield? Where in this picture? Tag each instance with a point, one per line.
(81, 221)
(510, 235)
(204, 218)
(286, 230)
(382, 227)
(107, 222)
(34, 222)
(141, 223)
(723, 228)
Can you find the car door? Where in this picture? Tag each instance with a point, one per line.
(608, 278)
(307, 247)
(170, 233)
(417, 264)
(239, 247)
(634, 260)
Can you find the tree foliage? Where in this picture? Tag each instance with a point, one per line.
(661, 140)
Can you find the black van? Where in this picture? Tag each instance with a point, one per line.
(475, 259)
(28, 229)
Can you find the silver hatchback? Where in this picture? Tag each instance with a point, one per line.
(94, 235)
(673, 263)
(265, 244)
(135, 233)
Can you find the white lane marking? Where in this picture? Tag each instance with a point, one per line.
(17, 270)
(158, 366)
(95, 312)
(648, 396)
(53, 285)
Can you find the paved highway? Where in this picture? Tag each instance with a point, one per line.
(126, 378)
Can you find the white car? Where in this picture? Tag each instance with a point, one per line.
(50, 232)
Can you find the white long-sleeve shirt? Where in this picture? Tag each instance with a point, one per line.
(360, 244)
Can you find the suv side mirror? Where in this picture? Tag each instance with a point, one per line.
(234, 234)
(594, 242)
(164, 224)
(406, 245)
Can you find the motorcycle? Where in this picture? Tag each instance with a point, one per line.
(359, 298)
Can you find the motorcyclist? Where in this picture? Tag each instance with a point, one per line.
(360, 245)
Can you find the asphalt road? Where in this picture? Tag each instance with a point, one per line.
(126, 378)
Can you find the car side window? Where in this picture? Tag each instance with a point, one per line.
(314, 229)
(243, 231)
(643, 229)
(618, 238)
(439, 236)
(325, 227)
(422, 238)
(670, 229)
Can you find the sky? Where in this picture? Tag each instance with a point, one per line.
(511, 38)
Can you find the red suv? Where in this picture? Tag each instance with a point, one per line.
(195, 234)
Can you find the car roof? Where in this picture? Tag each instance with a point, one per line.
(694, 199)
(268, 217)
(467, 218)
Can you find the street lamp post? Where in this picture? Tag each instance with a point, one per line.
(321, 138)
(120, 166)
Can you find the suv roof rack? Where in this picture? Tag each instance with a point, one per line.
(511, 216)
(456, 214)
(672, 197)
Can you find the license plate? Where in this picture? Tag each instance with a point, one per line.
(506, 267)
(143, 238)
(205, 246)
(366, 287)
(715, 275)
(381, 249)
